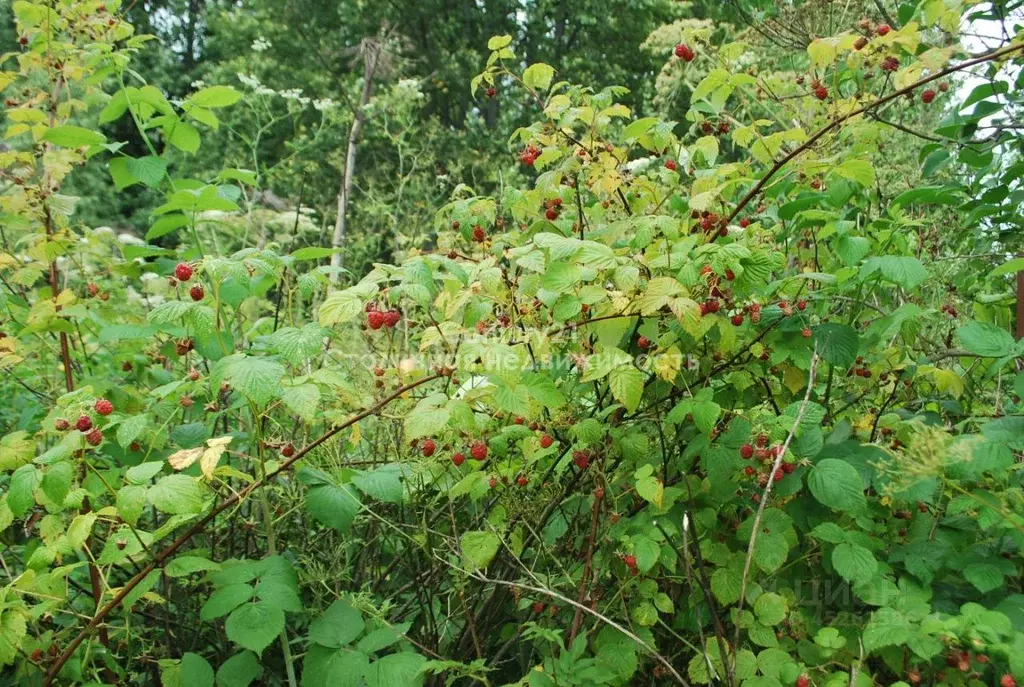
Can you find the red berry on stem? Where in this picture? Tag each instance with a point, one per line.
(375, 319)
(458, 459)
(821, 93)
(104, 407)
(802, 681)
(546, 441)
(737, 319)
(196, 293)
(428, 448)
(883, 29)
(1007, 681)
(183, 271)
(551, 214)
(801, 305)
(762, 440)
(746, 451)
(391, 318)
(630, 560)
(779, 474)
(94, 438)
(492, 482)
(806, 332)
(684, 52)
(927, 96)
(287, 450)
(744, 222)
(522, 481)
(479, 234)
(643, 342)
(84, 423)
(671, 165)
(478, 450)
(61, 425)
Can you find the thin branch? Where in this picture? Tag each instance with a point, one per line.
(834, 124)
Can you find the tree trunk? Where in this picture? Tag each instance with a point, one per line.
(344, 193)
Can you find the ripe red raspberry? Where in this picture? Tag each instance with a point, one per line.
(802, 681)
(458, 459)
(84, 423)
(643, 342)
(491, 92)
(927, 96)
(883, 29)
(723, 127)
(23, 40)
(729, 275)
(713, 305)
(546, 441)
(428, 448)
(478, 450)
(94, 438)
(104, 407)
(519, 421)
(375, 319)
(890, 64)
(806, 332)
(183, 271)
(746, 451)
(522, 481)
(479, 235)
(749, 471)
(779, 474)
(1007, 681)
(551, 214)
(737, 319)
(538, 607)
(288, 451)
(391, 318)
(61, 425)
(788, 468)
(196, 293)
(671, 165)
(630, 560)
(581, 459)
(762, 440)
(821, 93)
(744, 222)
(801, 305)
(684, 52)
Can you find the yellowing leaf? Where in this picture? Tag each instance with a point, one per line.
(180, 460)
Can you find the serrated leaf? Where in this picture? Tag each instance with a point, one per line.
(254, 625)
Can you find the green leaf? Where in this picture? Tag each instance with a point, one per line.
(177, 495)
(298, 345)
(543, 390)
(182, 136)
(336, 627)
(479, 547)
(326, 667)
(195, 671)
(303, 400)
(903, 271)
(69, 136)
(538, 76)
(332, 505)
(21, 495)
(314, 253)
(986, 577)
(226, 599)
(887, 627)
(855, 563)
(187, 565)
(837, 343)
(382, 483)
(499, 42)
(254, 625)
(560, 277)
(401, 669)
(12, 630)
(239, 671)
(986, 340)
(837, 484)
(256, 378)
(627, 386)
(860, 171)
(57, 481)
(215, 96)
(770, 608)
(1011, 266)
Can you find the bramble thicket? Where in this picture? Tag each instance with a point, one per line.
(347, 344)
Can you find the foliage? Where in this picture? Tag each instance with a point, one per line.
(708, 396)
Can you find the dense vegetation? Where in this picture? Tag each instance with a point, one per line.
(625, 343)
